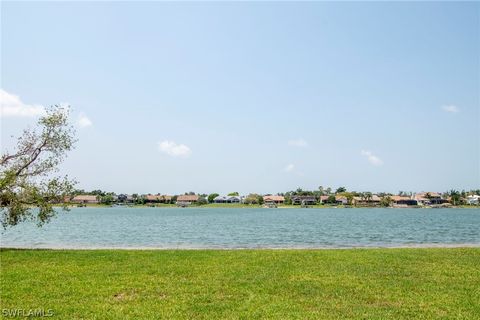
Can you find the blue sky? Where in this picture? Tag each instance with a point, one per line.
(252, 97)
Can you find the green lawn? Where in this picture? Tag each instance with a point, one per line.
(245, 284)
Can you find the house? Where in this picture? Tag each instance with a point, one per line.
(324, 199)
(427, 198)
(187, 199)
(473, 200)
(403, 201)
(304, 200)
(273, 199)
(341, 200)
(122, 198)
(374, 200)
(228, 199)
(85, 199)
(149, 198)
(158, 198)
(167, 198)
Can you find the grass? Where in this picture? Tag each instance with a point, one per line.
(245, 284)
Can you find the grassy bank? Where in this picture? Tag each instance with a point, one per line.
(300, 284)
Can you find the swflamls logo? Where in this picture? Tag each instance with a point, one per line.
(17, 313)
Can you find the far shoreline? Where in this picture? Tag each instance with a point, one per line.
(242, 206)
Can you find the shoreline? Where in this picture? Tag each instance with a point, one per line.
(266, 248)
(236, 206)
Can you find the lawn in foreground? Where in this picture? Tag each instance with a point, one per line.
(213, 284)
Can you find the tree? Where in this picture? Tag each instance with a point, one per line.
(288, 199)
(106, 199)
(26, 180)
(341, 189)
(320, 190)
(233, 194)
(253, 198)
(260, 199)
(386, 201)
(331, 199)
(455, 197)
(212, 196)
(349, 197)
(201, 201)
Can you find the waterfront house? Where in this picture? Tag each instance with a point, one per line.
(158, 198)
(86, 199)
(403, 201)
(324, 199)
(187, 199)
(473, 199)
(304, 200)
(150, 198)
(228, 199)
(269, 199)
(374, 200)
(122, 198)
(341, 200)
(428, 198)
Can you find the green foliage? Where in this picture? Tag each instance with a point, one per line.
(233, 194)
(202, 201)
(288, 200)
(212, 196)
(349, 196)
(260, 199)
(341, 189)
(106, 199)
(253, 198)
(456, 197)
(386, 201)
(331, 199)
(26, 181)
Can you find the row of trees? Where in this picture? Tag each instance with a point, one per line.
(457, 197)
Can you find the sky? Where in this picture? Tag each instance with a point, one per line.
(251, 97)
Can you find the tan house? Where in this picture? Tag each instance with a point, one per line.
(323, 199)
(273, 199)
(85, 199)
(158, 198)
(187, 199)
(361, 201)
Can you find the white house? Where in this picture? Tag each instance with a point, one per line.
(473, 199)
(228, 199)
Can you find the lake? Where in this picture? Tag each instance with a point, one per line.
(125, 227)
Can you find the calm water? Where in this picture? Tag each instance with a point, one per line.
(249, 228)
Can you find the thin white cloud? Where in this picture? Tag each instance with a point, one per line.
(451, 109)
(289, 167)
(84, 121)
(173, 149)
(12, 106)
(373, 159)
(298, 143)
